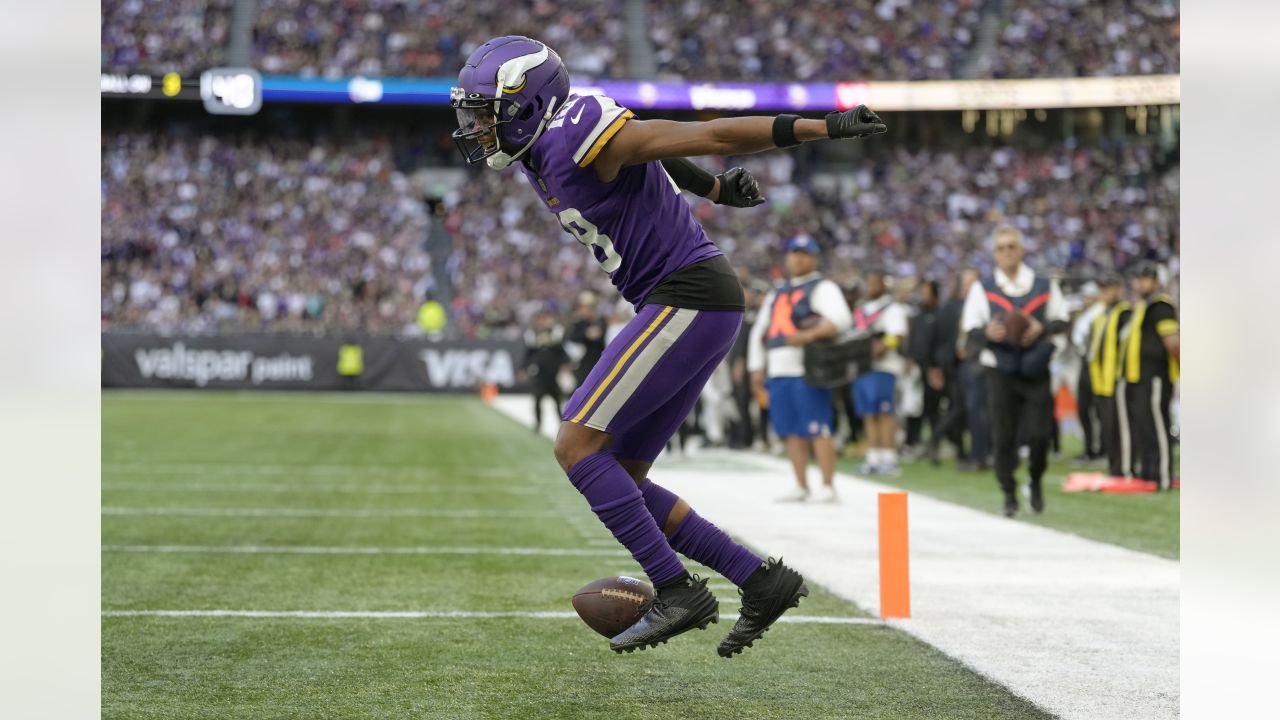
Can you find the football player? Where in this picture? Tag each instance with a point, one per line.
(614, 183)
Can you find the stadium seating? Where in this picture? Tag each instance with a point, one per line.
(399, 38)
(1067, 38)
(195, 240)
(782, 41)
(759, 40)
(183, 36)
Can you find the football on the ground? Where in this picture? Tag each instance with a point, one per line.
(613, 604)
(1016, 324)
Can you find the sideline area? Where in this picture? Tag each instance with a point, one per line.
(1081, 628)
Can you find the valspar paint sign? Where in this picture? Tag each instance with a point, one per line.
(178, 362)
(288, 362)
(233, 361)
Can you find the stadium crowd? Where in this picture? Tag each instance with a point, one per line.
(781, 41)
(183, 36)
(755, 40)
(208, 233)
(424, 38)
(1084, 38)
(200, 234)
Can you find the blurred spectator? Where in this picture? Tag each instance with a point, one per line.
(751, 40)
(183, 36)
(429, 38)
(781, 41)
(544, 359)
(947, 359)
(874, 392)
(208, 233)
(432, 318)
(922, 340)
(1070, 38)
(586, 335)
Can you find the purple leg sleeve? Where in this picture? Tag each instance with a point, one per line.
(616, 500)
(698, 539)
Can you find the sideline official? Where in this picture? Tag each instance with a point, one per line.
(803, 309)
(1102, 365)
(544, 358)
(1017, 374)
(1151, 369)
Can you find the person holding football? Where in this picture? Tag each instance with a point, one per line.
(614, 183)
(1010, 315)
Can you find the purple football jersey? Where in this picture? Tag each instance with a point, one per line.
(638, 227)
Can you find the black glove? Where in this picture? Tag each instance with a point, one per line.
(859, 122)
(738, 189)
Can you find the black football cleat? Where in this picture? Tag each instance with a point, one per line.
(1037, 498)
(675, 610)
(1010, 506)
(769, 592)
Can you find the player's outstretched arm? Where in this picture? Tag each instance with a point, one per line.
(640, 141)
(736, 187)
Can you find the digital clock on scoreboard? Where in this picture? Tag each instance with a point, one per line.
(231, 91)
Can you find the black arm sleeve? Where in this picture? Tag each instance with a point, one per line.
(689, 176)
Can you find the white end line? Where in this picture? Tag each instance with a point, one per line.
(324, 512)
(436, 614)
(311, 550)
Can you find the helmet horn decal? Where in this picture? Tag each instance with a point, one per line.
(511, 74)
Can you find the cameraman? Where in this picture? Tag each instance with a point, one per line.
(805, 308)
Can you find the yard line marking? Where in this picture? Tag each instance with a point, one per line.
(310, 487)
(311, 550)
(437, 614)
(322, 512)
(231, 468)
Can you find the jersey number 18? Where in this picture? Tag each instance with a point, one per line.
(586, 232)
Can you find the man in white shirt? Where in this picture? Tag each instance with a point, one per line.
(873, 392)
(804, 309)
(1017, 368)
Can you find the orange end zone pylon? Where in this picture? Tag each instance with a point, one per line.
(895, 577)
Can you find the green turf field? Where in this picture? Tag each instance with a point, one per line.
(1149, 523)
(379, 503)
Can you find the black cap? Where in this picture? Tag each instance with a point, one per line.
(1109, 279)
(1144, 268)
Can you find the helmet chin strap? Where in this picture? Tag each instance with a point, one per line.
(501, 160)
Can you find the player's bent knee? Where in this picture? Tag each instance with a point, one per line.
(575, 442)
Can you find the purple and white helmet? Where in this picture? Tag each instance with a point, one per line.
(507, 91)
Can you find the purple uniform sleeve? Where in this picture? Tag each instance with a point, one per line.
(585, 125)
(638, 226)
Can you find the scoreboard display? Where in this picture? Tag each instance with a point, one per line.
(224, 91)
(231, 91)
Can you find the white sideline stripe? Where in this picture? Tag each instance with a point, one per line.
(311, 550)
(437, 614)
(1007, 599)
(313, 487)
(323, 512)
(232, 468)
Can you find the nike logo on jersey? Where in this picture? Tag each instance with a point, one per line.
(578, 117)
